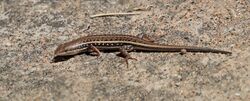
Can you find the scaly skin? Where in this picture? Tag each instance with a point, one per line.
(124, 44)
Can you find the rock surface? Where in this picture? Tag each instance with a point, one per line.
(30, 30)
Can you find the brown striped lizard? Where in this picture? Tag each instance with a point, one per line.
(93, 44)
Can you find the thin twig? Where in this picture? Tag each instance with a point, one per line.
(114, 14)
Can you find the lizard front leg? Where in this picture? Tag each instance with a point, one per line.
(93, 50)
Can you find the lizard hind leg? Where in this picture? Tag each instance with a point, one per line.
(124, 54)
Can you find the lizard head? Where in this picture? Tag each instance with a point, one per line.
(68, 50)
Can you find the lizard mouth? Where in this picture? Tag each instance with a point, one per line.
(66, 55)
(60, 58)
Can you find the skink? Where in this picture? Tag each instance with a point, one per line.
(93, 44)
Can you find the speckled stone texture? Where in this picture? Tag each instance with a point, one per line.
(30, 31)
